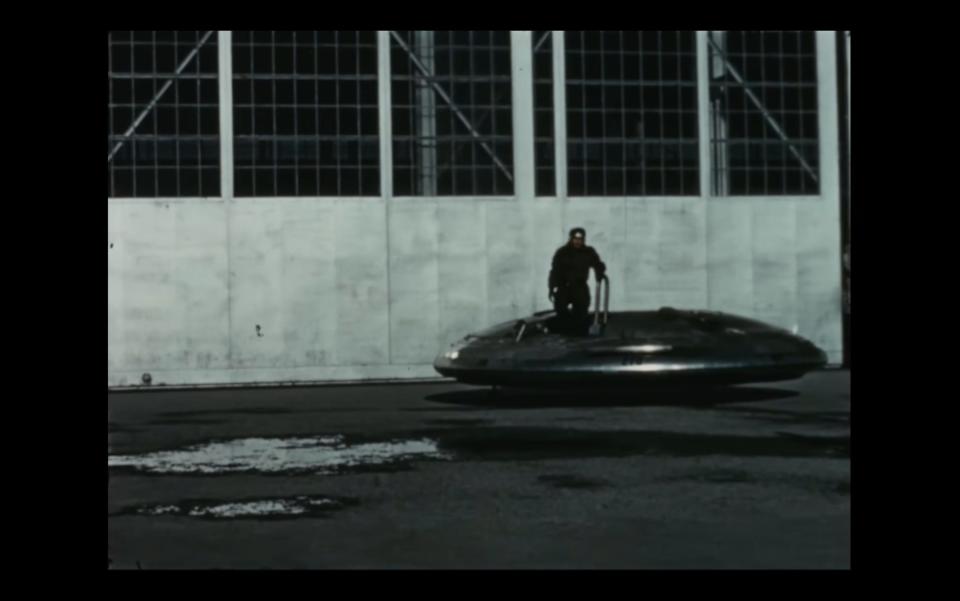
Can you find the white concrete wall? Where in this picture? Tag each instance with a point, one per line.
(189, 281)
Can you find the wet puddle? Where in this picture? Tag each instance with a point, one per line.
(320, 455)
(257, 509)
(471, 441)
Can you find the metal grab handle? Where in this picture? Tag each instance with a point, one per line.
(606, 300)
(604, 283)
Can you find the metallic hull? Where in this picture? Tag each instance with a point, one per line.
(665, 347)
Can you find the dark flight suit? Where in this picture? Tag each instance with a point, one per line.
(568, 276)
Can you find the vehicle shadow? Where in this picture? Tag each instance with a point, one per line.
(701, 397)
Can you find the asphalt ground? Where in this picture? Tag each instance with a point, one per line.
(444, 475)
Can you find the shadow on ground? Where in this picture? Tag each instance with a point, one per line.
(652, 397)
(526, 444)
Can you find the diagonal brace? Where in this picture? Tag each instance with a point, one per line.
(545, 37)
(156, 98)
(766, 114)
(456, 110)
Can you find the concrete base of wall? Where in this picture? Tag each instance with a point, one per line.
(167, 378)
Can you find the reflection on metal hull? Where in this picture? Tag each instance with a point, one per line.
(562, 379)
(665, 347)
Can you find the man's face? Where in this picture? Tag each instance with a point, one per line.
(577, 241)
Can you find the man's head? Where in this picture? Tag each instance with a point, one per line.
(577, 237)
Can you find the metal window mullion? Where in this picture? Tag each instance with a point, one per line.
(452, 160)
(584, 115)
(493, 120)
(385, 101)
(478, 106)
(225, 107)
(357, 107)
(524, 145)
(296, 126)
(351, 79)
(804, 131)
(411, 98)
(540, 77)
(427, 162)
(316, 112)
(162, 74)
(415, 163)
(453, 145)
(471, 102)
(828, 132)
(466, 102)
(253, 122)
(846, 83)
(493, 105)
(156, 118)
(273, 113)
(623, 115)
(475, 105)
(385, 131)
(336, 103)
(783, 105)
(133, 135)
(748, 168)
(602, 55)
(413, 131)
(704, 115)
(425, 144)
(679, 115)
(660, 112)
(800, 112)
(559, 115)
(723, 124)
(176, 126)
(687, 110)
(722, 114)
(199, 130)
(763, 99)
(643, 132)
(110, 109)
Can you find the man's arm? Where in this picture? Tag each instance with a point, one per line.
(554, 280)
(599, 268)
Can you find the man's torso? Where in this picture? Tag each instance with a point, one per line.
(574, 264)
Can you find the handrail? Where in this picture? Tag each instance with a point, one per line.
(606, 300)
(597, 328)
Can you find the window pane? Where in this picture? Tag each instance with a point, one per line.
(452, 134)
(305, 127)
(162, 125)
(771, 132)
(628, 102)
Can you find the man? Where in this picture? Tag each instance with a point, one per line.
(568, 281)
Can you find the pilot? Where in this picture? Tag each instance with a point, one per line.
(568, 281)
